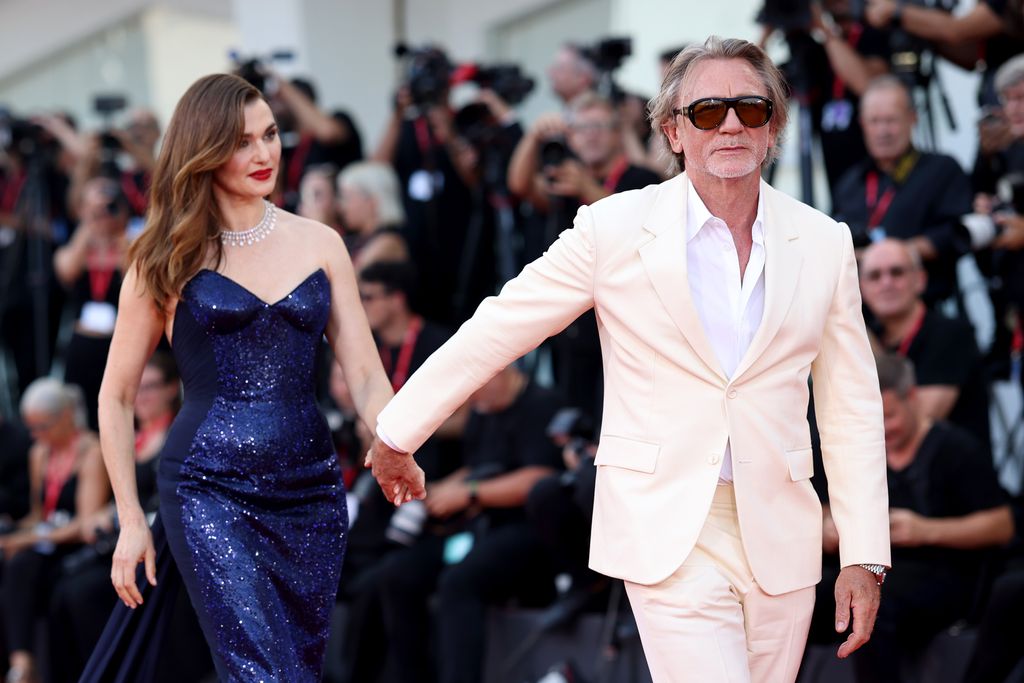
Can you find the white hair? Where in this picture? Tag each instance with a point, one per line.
(380, 182)
(52, 396)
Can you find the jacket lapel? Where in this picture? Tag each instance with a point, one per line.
(781, 274)
(664, 259)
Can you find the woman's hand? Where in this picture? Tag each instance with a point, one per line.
(134, 545)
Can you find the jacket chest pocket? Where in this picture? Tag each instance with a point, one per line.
(629, 454)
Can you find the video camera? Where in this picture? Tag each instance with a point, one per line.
(607, 56)
(251, 68)
(475, 122)
(428, 73)
(26, 139)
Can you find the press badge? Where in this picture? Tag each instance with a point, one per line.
(457, 547)
(97, 317)
(836, 115)
(421, 186)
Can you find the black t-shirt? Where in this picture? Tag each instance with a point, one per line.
(929, 202)
(432, 456)
(950, 476)
(1007, 266)
(502, 442)
(310, 152)
(14, 484)
(944, 351)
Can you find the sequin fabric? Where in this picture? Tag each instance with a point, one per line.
(255, 513)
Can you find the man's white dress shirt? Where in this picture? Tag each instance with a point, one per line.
(730, 307)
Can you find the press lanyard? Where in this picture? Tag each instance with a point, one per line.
(619, 170)
(402, 365)
(877, 206)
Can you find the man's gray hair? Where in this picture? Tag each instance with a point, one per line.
(1010, 74)
(664, 102)
(895, 373)
(889, 82)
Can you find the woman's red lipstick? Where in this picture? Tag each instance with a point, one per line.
(262, 175)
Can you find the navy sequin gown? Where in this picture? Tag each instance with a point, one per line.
(251, 501)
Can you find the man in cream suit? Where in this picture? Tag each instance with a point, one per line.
(715, 296)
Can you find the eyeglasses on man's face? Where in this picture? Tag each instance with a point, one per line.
(709, 113)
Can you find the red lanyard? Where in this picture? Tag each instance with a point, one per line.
(101, 276)
(58, 471)
(298, 160)
(402, 365)
(852, 38)
(11, 193)
(912, 334)
(136, 197)
(144, 436)
(877, 206)
(424, 140)
(612, 181)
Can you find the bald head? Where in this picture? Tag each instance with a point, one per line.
(891, 279)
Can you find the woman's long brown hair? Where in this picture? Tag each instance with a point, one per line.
(182, 221)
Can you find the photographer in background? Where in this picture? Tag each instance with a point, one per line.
(992, 32)
(997, 225)
(901, 192)
(34, 220)
(571, 74)
(318, 137)
(561, 163)
(833, 59)
(478, 548)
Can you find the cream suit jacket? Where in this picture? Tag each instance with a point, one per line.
(668, 407)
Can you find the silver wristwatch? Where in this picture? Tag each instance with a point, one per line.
(878, 570)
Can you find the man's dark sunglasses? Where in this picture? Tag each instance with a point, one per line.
(708, 113)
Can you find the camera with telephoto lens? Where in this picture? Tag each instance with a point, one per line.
(26, 139)
(554, 152)
(428, 73)
(981, 228)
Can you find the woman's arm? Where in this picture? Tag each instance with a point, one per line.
(349, 334)
(139, 327)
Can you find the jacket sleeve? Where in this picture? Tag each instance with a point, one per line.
(849, 414)
(549, 294)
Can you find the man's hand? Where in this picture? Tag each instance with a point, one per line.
(879, 13)
(907, 529)
(400, 478)
(447, 498)
(1012, 236)
(857, 593)
(572, 179)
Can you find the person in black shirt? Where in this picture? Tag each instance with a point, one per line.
(946, 509)
(318, 137)
(949, 367)
(405, 340)
(14, 488)
(479, 548)
(835, 61)
(1001, 243)
(904, 193)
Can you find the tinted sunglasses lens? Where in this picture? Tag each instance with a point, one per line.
(753, 112)
(708, 114)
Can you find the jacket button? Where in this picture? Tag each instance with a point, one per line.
(732, 393)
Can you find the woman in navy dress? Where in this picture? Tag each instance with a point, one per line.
(252, 507)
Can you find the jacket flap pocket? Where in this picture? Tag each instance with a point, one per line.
(801, 463)
(630, 454)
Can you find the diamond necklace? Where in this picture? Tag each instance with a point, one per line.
(232, 238)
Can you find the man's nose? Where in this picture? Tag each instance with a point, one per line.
(732, 123)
